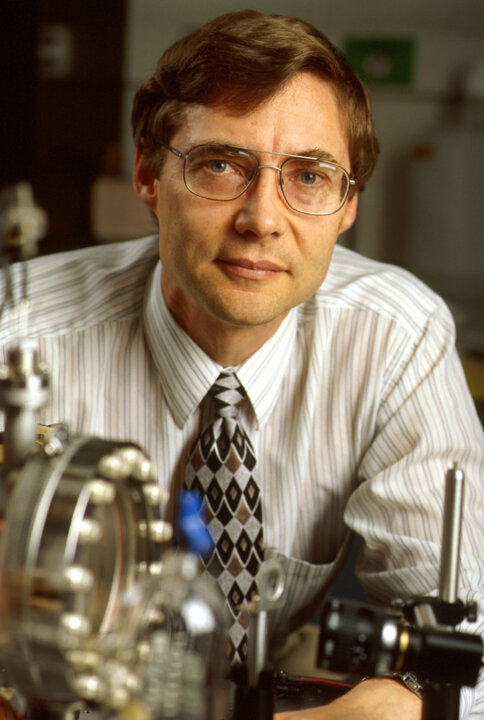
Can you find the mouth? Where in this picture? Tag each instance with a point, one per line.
(250, 269)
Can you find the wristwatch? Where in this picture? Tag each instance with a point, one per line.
(410, 680)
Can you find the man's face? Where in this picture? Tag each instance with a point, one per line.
(247, 262)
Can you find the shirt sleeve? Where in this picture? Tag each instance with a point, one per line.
(426, 421)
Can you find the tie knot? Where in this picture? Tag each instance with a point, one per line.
(227, 394)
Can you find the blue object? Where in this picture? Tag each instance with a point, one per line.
(192, 524)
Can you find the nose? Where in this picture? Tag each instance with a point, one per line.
(262, 211)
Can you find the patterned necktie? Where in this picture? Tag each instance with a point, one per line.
(220, 467)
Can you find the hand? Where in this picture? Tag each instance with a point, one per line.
(378, 699)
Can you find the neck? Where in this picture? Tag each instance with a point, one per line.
(231, 347)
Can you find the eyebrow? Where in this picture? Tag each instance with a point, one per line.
(310, 154)
(319, 154)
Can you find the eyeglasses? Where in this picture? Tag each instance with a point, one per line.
(225, 172)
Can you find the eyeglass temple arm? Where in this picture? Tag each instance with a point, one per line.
(177, 153)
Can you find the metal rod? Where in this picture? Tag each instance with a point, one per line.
(257, 645)
(453, 508)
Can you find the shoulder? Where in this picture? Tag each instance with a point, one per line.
(360, 285)
(75, 289)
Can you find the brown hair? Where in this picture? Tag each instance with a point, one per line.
(238, 61)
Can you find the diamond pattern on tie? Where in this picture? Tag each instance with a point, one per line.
(221, 466)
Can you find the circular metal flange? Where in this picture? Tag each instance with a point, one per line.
(70, 551)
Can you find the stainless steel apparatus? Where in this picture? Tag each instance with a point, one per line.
(89, 615)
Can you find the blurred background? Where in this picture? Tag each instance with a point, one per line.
(70, 69)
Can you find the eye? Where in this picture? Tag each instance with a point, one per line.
(228, 166)
(309, 178)
(209, 164)
(218, 166)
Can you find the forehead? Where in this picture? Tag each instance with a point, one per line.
(303, 115)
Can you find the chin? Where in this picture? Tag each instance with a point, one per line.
(250, 315)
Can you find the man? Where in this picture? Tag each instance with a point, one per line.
(254, 139)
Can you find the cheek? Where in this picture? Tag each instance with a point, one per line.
(185, 213)
(188, 240)
(317, 244)
(315, 253)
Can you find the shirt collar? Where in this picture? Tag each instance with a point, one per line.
(187, 372)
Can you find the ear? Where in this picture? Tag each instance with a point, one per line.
(349, 215)
(144, 182)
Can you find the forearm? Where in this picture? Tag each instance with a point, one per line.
(378, 699)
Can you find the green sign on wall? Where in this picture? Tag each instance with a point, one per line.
(382, 61)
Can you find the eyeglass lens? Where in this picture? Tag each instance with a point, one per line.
(224, 173)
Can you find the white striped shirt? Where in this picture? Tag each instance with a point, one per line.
(356, 407)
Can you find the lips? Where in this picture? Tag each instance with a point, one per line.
(252, 265)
